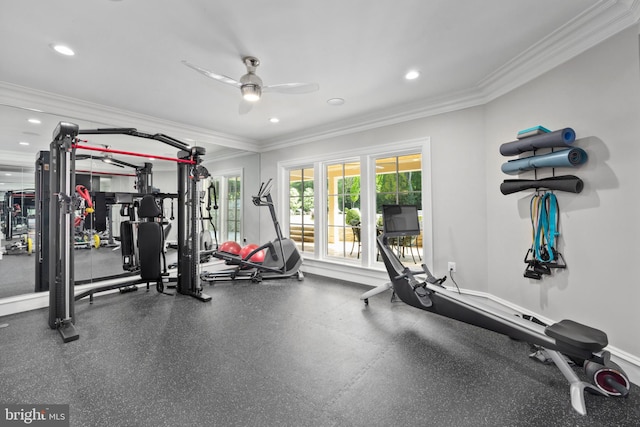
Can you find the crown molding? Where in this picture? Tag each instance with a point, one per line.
(596, 24)
(19, 159)
(603, 20)
(387, 117)
(585, 31)
(72, 108)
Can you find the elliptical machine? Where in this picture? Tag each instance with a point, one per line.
(281, 256)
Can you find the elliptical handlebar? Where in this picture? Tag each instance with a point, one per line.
(262, 199)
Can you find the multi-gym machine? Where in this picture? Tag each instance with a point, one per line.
(60, 201)
(583, 345)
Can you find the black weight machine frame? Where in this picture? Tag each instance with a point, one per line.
(61, 200)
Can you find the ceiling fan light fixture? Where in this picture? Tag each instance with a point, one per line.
(251, 92)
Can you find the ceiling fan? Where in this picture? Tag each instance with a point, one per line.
(251, 85)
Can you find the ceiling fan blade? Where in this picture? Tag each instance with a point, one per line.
(122, 163)
(219, 77)
(292, 88)
(245, 107)
(80, 157)
(112, 162)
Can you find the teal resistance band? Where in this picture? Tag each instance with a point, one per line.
(547, 229)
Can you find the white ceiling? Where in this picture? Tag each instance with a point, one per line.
(127, 71)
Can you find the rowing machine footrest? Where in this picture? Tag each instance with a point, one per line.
(577, 335)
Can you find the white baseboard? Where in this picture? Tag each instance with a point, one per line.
(627, 361)
(28, 302)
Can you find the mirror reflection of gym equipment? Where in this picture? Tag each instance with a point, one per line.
(18, 213)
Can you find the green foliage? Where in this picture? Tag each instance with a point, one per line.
(354, 190)
(404, 188)
(307, 200)
(352, 216)
(294, 199)
(349, 192)
(301, 196)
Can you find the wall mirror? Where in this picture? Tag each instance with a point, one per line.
(25, 133)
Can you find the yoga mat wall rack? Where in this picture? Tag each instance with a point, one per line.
(532, 140)
(543, 256)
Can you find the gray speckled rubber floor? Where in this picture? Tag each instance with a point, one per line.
(284, 353)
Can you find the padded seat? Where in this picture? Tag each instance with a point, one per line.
(577, 335)
(150, 239)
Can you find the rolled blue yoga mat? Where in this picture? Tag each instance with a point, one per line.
(563, 158)
(559, 138)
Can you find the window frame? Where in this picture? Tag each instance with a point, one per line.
(324, 209)
(223, 206)
(287, 222)
(366, 157)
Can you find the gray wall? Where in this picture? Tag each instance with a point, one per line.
(598, 95)
(459, 194)
(487, 234)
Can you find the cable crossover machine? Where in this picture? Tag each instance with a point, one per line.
(57, 267)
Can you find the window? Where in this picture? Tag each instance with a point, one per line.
(301, 209)
(335, 203)
(343, 210)
(232, 209)
(399, 181)
(227, 219)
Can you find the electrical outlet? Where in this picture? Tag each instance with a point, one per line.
(451, 266)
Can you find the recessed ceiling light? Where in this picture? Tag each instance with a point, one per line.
(34, 121)
(335, 101)
(412, 75)
(7, 174)
(274, 120)
(23, 143)
(63, 50)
